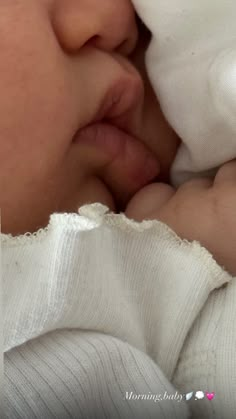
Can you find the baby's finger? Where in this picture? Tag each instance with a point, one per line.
(145, 205)
(194, 185)
(133, 167)
(226, 174)
(122, 162)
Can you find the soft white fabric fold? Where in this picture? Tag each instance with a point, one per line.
(104, 276)
(192, 65)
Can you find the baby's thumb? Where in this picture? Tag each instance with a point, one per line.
(132, 168)
(122, 163)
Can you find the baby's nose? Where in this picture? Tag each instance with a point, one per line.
(106, 24)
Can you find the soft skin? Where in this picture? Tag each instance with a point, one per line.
(58, 58)
(200, 209)
(58, 61)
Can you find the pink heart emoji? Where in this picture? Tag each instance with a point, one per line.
(210, 396)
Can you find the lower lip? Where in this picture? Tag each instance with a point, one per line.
(103, 136)
(113, 142)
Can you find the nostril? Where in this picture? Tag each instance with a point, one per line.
(122, 48)
(100, 42)
(94, 41)
(127, 46)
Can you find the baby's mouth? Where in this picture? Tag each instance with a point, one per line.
(115, 126)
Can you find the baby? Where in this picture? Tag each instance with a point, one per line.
(81, 124)
(72, 74)
(56, 170)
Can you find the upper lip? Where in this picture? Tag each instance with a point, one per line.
(122, 103)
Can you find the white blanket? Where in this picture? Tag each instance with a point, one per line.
(192, 65)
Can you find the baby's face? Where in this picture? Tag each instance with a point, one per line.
(61, 62)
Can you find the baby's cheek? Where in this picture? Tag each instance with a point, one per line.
(34, 100)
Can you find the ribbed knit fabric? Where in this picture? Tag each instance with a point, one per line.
(192, 65)
(98, 306)
(208, 360)
(77, 374)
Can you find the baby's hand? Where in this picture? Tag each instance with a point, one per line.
(201, 209)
